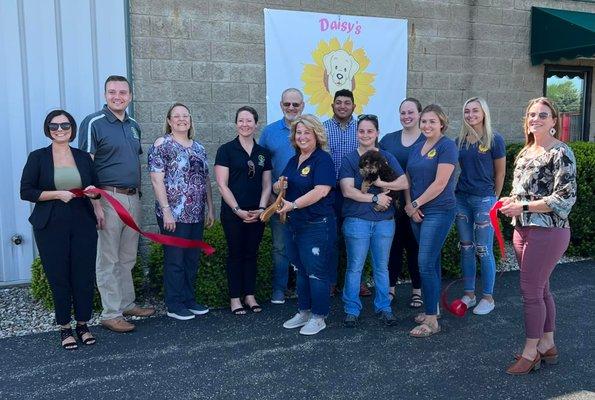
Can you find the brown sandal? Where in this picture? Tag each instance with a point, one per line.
(424, 330)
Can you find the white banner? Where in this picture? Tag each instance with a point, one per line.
(322, 53)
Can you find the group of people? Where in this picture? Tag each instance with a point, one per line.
(326, 204)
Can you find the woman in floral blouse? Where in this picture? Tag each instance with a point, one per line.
(543, 192)
(183, 205)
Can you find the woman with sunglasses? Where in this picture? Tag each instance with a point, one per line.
(183, 206)
(399, 144)
(369, 224)
(243, 173)
(543, 193)
(311, 224)
(482, 159)
(430, 203)
(64, 225)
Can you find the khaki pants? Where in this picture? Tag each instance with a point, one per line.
(117, 248)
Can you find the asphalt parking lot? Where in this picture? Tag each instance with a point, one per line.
(222, 356)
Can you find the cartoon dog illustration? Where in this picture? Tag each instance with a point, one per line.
(340, 68)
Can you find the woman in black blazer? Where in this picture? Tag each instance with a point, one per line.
(64, 225)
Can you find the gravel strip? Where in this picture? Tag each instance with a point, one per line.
(21, 315)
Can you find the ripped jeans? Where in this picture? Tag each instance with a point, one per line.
(476, 237)
(309, 246)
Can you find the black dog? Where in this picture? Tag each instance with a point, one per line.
(373, 165)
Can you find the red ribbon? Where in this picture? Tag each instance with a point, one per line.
(155, 237)
(496, 226)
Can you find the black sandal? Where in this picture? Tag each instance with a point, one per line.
(256, 308)
(66, 333)
(81, 330)
(239, 311)
(416, 301)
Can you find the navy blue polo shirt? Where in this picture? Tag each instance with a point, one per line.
(246, 188)
(477, 167)
(392, 142)
(116, 148)
(365, 210)
(422, 172)
(318, 169)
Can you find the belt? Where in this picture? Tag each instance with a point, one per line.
(128, 191)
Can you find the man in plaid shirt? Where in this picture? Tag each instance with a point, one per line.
(341, 131)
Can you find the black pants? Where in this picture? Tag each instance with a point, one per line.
(243, 241)
(180, 266)
(67, 248)
(403, 241)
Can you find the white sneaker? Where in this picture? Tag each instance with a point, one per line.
(484, 307)
(313, 326)
(469, 302)
(299, 319)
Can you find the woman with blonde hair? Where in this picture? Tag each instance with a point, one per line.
(543, 193)
(482, 159)
(311, 223)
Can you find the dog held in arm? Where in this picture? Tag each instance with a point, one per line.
(277, 204)
(373, 165)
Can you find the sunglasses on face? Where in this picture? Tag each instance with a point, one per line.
(295, 105)
(54, 126)
(364, 117)
(251, 169)
(541, 115)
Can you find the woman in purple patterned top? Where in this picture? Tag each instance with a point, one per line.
(183, 206)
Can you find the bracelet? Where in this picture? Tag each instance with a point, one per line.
(295, 207)
(164, 207)
(262, 208)
(97, 197)
(236, 209)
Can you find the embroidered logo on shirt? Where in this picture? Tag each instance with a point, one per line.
(305, 171)
(483, 148)
(134, 133)
(431, 153)
(260, 160)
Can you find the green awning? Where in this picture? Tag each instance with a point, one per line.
(559, 34)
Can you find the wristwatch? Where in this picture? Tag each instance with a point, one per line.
(414, 204)
(294, 205)
(375, 199)
(236, 209)
(525, 206)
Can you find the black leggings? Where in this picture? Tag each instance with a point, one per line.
(243, 241)
(403, 241)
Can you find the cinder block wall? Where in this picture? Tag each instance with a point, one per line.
(209, 54)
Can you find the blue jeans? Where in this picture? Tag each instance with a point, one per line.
(309, 248)
(180, 266)
(476, 236)
(280, 260)
(362, 236)
(430, 235)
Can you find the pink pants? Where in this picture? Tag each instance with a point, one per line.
(538, 250)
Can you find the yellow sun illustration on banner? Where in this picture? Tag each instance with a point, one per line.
(337, 67)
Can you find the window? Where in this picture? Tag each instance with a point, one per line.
(570, 88)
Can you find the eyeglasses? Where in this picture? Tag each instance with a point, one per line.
(251, 169)
(295, 105)
(64, 125)
(541, 115)
(367, 117)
